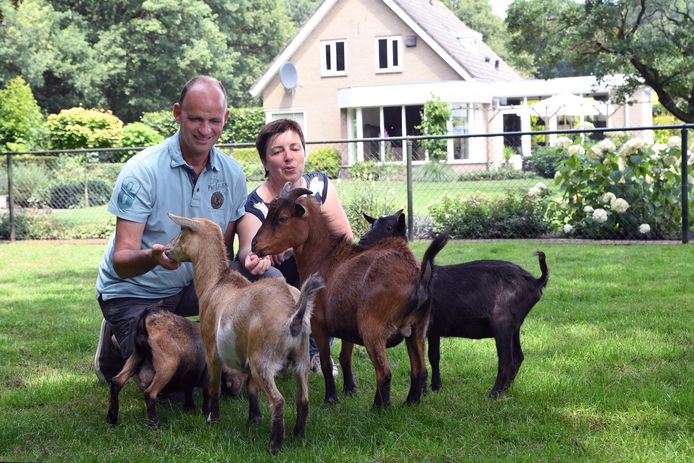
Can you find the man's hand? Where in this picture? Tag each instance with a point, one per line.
(159, 256)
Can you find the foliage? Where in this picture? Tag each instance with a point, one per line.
(434, 171)
(647, 42)
(36, 224)
(31, 184)
(498, 174)
(21, 121)
(325, 159)
(74, 194)
(435, 118)
(84, 128)
(627, 189)
(367, 170)
(545, 160)
(52, 51)
(161, 121)
(253, 170)
(365, 199)
(138, 134)
(243, 125)
(515, 215)
(246, 155)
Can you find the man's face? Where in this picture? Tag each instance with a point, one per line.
(201, 118)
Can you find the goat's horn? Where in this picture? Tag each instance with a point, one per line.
(184, 222)
(288, 193)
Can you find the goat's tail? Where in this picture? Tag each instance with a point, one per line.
(301, 319)
(542, 281)
(421, 293)
(141, 335)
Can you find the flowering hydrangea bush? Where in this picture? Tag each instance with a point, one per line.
(620, 188)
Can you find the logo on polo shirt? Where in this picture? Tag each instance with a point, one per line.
(128, 189)
(217, 200)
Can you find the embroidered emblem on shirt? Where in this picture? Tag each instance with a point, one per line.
(217, 200)
(128, 189)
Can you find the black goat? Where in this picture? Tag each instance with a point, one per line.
(476, 300)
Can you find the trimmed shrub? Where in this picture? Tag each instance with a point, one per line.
(246, 155)
(546, 159)
(138, 134)
(31, 185)
(243, 125)
(161, 121)
(326, 160)
(516, 215)
(75, 194)
(84, 128)
(499, 174)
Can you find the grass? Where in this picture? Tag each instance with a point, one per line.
(607, 376)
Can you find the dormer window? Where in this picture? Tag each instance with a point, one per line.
(388, 54)
(333, 57)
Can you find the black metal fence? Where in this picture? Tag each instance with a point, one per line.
(592, 184)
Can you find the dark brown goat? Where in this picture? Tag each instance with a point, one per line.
(168, 356)
(371, 297)
(480, 299)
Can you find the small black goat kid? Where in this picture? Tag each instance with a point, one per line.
(476, 300)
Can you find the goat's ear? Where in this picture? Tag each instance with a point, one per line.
(368, 218)
(299, 209)
(185, 222)
(401, 219)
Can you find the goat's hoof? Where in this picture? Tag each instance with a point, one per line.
(112, 420)
(435, 387)
(331, 400)
(275, 449)
(254, 419)
(154, 424)
(350, 390)
(494, 394)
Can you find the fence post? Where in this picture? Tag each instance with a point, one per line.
(10, 197)
(410, 208)
(685, 188)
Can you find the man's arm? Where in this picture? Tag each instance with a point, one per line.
(129, 259)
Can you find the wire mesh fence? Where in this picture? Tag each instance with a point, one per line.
(591, 184)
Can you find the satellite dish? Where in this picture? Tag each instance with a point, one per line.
(288, 76)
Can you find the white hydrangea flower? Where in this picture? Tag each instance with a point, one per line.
(576, 150)
(603, 147)
(608, 197)
(568, 228)
(674, 142)
(557, 174)
(644, 228)
(588, 209)
(658, 147)
(534, 191)
(600, 215)
(632, 146)
(615, 135)
(584, 125)
(563, 142)
(619, 205)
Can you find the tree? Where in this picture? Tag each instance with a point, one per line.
(649, 42)
(50, 51)
(150, 57)
(21, 121)
(256, 31)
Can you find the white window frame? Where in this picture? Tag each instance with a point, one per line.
(298, 116)
(389, 50)
(330, 69)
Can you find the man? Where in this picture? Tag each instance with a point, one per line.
(185, 175)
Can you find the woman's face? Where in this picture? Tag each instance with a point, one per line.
(284, 157)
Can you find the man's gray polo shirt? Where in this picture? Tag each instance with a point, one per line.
(153, 183)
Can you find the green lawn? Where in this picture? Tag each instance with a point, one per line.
(608, 374)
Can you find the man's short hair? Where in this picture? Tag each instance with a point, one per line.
(197, 79)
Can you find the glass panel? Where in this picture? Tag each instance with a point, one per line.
(382, 53)
(395, 53)
(340, 55)
(328, 62)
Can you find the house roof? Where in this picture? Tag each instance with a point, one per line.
(458, 45)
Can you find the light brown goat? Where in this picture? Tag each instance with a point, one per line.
(372, 297)
(161, 364)
(260, 327)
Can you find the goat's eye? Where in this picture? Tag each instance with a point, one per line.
(283, 219)
(389, 228)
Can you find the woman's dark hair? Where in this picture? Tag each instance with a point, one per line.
(275, 128)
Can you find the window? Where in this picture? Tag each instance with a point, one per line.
(295, 116)
(388, 54)
(334, 58)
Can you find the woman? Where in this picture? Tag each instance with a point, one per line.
(282, 151)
